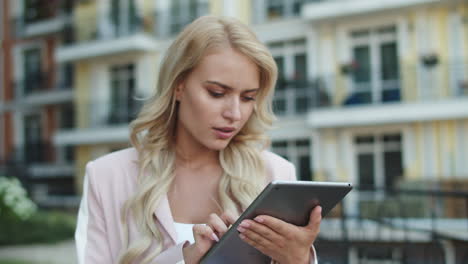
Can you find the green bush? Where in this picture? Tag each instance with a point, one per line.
(42, 227)
(14, 202)
(7, 261)
(21, 223)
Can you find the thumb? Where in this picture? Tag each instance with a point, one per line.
(315, 217)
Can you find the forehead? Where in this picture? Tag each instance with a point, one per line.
(230, 67)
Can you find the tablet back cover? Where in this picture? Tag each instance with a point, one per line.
(288, 201)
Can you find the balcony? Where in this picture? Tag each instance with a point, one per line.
(411, 219)
(40, 88)
(422, 93)
(419, 213)
(333, 9)
(105, 41)
(100, 123)
(41, 160)
(297, 97)
(46, 17)
(180, 16)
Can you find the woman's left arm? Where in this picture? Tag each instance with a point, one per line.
(283, 242)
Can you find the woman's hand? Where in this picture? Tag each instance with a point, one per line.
(283, 242)
(206, 235)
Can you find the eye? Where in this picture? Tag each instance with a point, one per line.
(248, 98)
(215, 94)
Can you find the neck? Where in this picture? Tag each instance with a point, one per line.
(191, 158)
(194, 156)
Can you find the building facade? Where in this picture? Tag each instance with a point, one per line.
(370, 92)
(375, 93)
(36, 92)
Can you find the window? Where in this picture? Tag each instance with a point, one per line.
(33, 139)
(123, 104)
(275, 9)
(33, 76)
(65, 76)
(124, 17)
(66, 116)
(298, 152)
(379, 160)
(36, 10)
(376, 74)
(284, 8)
(293, 94)
(183, 12)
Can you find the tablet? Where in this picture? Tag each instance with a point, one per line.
(290, 201)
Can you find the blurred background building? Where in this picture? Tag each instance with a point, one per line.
(374, 92)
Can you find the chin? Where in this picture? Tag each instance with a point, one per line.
(218, 146)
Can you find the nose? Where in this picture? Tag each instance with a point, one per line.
(233, 110)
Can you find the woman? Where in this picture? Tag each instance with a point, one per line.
(198, 160)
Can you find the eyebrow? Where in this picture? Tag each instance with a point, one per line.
(227, 87)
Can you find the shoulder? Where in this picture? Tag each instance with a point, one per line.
(124, 157)
(278, 168)
(115, 171)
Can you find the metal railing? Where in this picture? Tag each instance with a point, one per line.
(417, 83)
(409, 219)
(71, 36)
(38, 82)
(105, 113)
(45, 10)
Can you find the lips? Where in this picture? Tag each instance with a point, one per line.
(224, 132)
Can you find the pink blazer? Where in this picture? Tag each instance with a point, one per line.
(109, 182)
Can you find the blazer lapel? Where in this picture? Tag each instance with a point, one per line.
(164, 216)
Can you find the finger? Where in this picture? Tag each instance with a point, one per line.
(260, 229)
(315, 218)
(217, 224)
(229, 218)
(204, 232)
(279, 226)
(256, 241)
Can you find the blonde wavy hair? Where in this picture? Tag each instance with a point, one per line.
(152, 133)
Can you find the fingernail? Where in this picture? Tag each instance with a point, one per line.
(240, 229)
(244, 224)
(259, 219)
(242, 236)
(215, 237)
(320, 209)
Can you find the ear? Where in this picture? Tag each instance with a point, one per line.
(179, 91)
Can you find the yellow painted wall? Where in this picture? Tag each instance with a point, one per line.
(149, 15)
(440, 15)
(216, 7)
(86, 20)
(82, 94)
(409, 63)
(463, 9)
(245, 11)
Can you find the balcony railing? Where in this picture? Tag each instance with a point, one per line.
(417, 83)
(39, 82)
(33, 82)
(46, 17)
(438, 212)
(71, 32)
(106, 114)
(38, 152)
(180, 17)
(298, 97)
(397, 226)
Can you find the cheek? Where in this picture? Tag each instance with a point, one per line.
(248, 112)
(197, 108)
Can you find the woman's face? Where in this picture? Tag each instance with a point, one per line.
(216, 99)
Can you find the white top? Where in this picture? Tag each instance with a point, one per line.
(184, 232)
